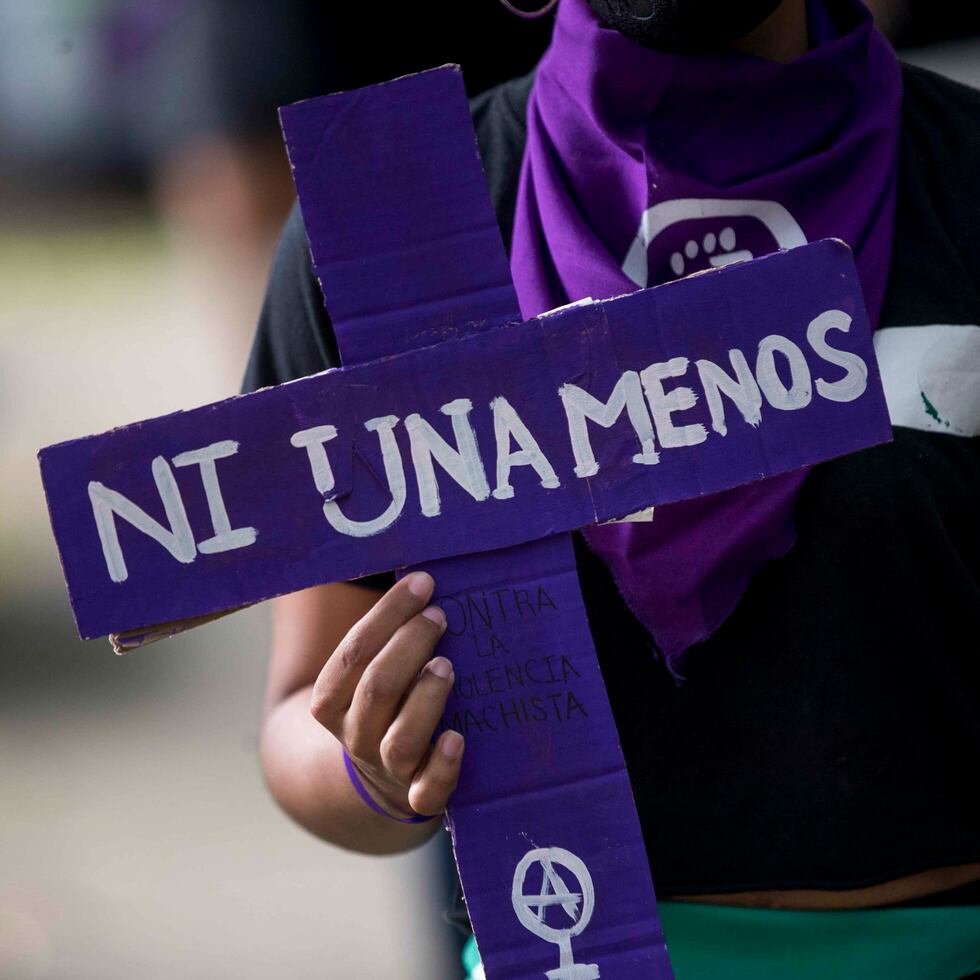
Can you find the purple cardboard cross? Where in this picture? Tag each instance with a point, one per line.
(460, 438)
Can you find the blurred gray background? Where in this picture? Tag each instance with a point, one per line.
(142, 185)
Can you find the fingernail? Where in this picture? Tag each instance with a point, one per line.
(452, 745)
(441, 667)
(420, 584)
(435, 615)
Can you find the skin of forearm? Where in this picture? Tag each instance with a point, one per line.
(303, 767)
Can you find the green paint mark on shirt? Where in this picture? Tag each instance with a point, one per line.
(931, 410)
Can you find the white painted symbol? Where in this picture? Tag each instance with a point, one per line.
(931, 376)
(576, 906)
(778, 222)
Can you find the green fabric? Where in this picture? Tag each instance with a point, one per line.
(471, 960)
(714, 942)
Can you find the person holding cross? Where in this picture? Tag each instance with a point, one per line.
(791, 665)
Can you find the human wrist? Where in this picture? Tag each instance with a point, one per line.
(372, 797)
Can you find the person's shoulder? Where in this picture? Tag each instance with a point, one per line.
(505, 103)
(294, 336)
(940, 105)
(927, 83)
(940, 157)
(499, 117)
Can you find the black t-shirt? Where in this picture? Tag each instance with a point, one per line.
(828, 734)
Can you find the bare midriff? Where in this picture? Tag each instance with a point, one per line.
(903, 889)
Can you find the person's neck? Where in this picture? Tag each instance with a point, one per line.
(782, 36)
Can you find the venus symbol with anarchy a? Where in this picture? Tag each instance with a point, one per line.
(576, 906)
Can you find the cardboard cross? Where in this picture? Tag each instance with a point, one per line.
(466, 441)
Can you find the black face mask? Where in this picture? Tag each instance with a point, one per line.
(684, 25)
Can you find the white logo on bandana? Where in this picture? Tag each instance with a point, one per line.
(716, 243)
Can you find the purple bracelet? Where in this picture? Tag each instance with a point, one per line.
(355, 779)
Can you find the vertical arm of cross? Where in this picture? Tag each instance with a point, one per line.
(407, 251)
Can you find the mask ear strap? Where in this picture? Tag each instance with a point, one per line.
(530, 14)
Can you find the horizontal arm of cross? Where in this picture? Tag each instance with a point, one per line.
(573, 418)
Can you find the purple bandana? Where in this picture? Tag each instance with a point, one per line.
(642, 166)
